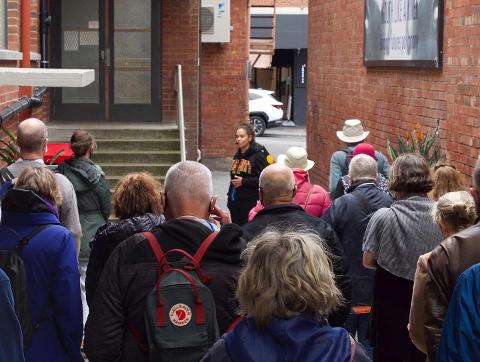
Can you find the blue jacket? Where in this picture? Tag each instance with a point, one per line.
(301, 338)
(11, 348)
(338, 166)
(349, 216)
(52, 276)
(461, 332)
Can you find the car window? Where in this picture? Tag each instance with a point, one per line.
(253, 96)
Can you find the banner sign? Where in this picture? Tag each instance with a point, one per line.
(403, 33)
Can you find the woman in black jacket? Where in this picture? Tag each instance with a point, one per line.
(137, 202)
(249, 161)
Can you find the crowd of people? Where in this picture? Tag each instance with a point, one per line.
(384, 267)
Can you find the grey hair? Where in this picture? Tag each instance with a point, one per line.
(189, 179)
(362, 167)
(277, 180)
(31, 135)
(456, 210)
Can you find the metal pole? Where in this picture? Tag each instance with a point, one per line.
(180, 115)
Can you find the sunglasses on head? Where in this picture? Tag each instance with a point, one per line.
(435, 168)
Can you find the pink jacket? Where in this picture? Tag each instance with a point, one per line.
(313, 198)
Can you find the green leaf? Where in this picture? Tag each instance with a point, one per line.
(9, 134)
(7, 156)
(56, 155)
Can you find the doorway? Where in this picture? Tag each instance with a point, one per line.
(120, 40)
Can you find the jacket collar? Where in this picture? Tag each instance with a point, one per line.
(281, 208)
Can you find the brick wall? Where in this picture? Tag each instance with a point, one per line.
(11, 93)
(224, 85)
(180, 45)
(390, 101)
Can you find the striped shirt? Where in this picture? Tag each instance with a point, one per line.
(398, 235)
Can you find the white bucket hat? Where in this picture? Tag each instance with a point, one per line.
(296, 157)
(352, 131)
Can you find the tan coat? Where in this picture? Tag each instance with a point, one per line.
(416, 325)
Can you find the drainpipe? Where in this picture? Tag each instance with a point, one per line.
(25, 91)
(45, 21)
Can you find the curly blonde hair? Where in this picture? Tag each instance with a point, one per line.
(137, 194)
(41, 181)
(286, 274)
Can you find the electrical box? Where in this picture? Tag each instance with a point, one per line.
(215, 21)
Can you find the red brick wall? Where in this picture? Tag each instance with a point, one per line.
(180, 45)
(224, 85)
(391, 101)
(281, 3)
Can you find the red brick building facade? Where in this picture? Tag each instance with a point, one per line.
(215, 84)
(391, 101)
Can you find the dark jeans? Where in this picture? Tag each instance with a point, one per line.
(357, 325)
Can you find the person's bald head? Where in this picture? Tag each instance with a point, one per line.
(32, 136)
(188, 189)
(277, 185)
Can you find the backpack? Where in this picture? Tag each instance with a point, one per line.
(12, 264)
(348, 158)
(6, 182)
(180, 315)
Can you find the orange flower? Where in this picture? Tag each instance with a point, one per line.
(420, 136)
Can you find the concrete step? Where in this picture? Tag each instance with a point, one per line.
(132, 157)
(113, 180)
(145, 144)
(120, 169)
(63, 132)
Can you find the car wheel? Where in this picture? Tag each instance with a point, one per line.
(258, 125)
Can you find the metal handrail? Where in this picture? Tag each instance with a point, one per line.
(180, 114)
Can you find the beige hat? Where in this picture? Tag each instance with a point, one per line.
(296, 157)
(352, 131)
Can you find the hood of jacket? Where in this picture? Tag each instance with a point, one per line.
(254, 148)
(82, 173)
(189, 234)
(26, 207)
(300, 338)
(114, 232)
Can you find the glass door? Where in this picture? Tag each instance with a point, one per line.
(134, 74)
(120, 40)
(78, 40)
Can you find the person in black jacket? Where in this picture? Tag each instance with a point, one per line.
(277, 189)
(131, 271)
(249, 161)
(137, 202)
(349, 216)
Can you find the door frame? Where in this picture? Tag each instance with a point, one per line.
(106, 110)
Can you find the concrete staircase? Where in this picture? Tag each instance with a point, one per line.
(124, 148)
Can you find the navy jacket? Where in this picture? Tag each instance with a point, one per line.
(298, 339)
(50, 261)
(461, 332)
(349, 218)
(11, 348)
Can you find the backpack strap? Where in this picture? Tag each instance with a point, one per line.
(5, 175)
(24, 241)
(363, 202)
(204, 246)
(310, 191)
(155, 245)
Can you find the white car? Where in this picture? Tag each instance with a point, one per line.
(265, 110)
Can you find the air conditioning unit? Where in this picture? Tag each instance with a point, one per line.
(215, 21)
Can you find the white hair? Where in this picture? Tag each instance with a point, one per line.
(362, 167)
(188, 179)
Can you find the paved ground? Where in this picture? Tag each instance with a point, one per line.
(276, 140)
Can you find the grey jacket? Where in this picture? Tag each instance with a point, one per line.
(68, 211)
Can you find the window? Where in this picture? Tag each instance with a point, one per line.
(253, 96)
(3, 24)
